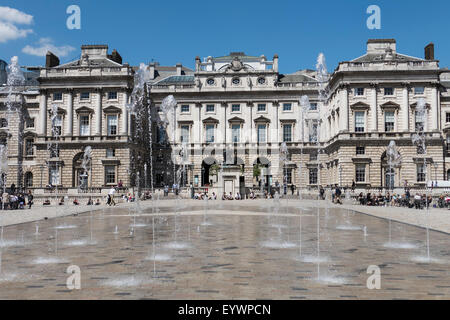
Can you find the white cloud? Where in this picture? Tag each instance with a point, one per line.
(46, 44)
(9, 18)
(14, 16)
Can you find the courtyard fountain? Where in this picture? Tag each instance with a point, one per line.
(305, 107)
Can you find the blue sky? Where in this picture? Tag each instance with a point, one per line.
(176, 31)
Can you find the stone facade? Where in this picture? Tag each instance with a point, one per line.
(233, 113)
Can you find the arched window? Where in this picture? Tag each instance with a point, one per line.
(28, 180)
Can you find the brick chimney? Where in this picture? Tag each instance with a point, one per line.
(429, 51)
(275, 63)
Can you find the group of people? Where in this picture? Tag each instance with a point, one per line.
(13, 200)
(417, 201)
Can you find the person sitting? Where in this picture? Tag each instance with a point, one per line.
(90, 202)
(252, 195)
(238, 196)
(46, 202)
(61, 202)
(75, 202)
(230, 197)
(214, 196)
(361, 198)
(418, 201)
(98, 202)
(224, 196)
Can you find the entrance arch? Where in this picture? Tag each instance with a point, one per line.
(390, 176)
(262, 164)
(206, 166)
(80, 178)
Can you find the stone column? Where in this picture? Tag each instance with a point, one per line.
(69, 128)
(344, 109)
(225, 137)
(405, 107)
(373, 109)
(125, 114)
(434, 108)
(98, 113)
(43, 113)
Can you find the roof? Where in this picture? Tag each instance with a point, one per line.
(373, 57)
(177, 80)
(299, 76)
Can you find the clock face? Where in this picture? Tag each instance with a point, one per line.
(261, 80)
(210, 82)
(236, 81)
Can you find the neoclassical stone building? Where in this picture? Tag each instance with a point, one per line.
(233, 116)
(241, 107)
(78, 104)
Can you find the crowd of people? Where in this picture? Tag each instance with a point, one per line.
(417, 201)
(13, 200)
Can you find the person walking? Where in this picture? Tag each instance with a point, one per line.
(30, 199)
(111, 193)
(292, 188)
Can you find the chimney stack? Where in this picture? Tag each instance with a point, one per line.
(197, 63)
(152, 70)
(51, 60)
(275, 63)
(179, 68)
(429, 51)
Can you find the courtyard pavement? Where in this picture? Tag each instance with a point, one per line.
(437, 219)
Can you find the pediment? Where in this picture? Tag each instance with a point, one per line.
(84, 110)
(262, 119)
(210, 120)
(236, 119)
(112, 109)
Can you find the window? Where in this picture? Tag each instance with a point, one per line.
(28, 180)
(313, 156)
(210, 82)
(448, 143)
(184, 134)
(313, 106)
(419, 90)
(359, 91)
(209, 133)
(236, 132)
(287, 106)
(287, 133)
(29, 150)
(112, 125)
(57, 96)
(313, 176)
(112, 95)
(84, 125)
(360, 173)
(210, 108)
(313, 133)
(30, 123)
(420, 122)
(288, 175)
(54, 175)
(389, 118)
(261, 107)
(110, 174)
(110, 153)
(84, 96)
(359, 121)
(388, 91)
(360, 150)
(236, 108)
(261, 133)
(185, 108)
(57, 126)
(420, 173)
(54, 152)
(236, 81)
(261, 80)
(161, 134)
(447, 117)
(3, 123)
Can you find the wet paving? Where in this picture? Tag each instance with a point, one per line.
(225, 252)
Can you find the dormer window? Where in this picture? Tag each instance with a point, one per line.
(112, 95)
(236, 81)
(211, 82)
(84, 96)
